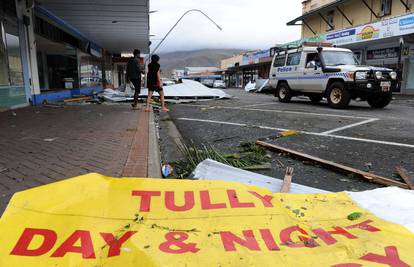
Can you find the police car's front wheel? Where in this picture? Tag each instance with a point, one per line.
(338, 96)
(284, 93)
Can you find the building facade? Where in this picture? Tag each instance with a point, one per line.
(247, 67)
(52, 50)
(380, 32)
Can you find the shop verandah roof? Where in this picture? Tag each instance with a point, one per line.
(316, 11)
(117, 26)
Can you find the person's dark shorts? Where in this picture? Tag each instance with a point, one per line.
(155, 88)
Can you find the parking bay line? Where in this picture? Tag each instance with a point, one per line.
(289, 112)
(349, 126)
(303, 132)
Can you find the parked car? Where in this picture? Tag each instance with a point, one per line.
(207, 82)
(219, 84)
(321, 70)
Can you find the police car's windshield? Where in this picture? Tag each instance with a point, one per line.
(336, 58)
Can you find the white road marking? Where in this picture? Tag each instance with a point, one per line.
(290, 112)
(304, 132)
(256, 105)
(350, 126)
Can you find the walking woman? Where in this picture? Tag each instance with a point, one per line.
(154, 83)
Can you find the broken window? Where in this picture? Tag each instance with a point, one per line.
(385, 7)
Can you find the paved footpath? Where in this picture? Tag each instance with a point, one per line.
(40, 145)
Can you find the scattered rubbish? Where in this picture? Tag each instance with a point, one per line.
(166, 170)
(260, 85)
(251, 157)
(250, 87)
(287, 180)
(265, 166)
(77, 99)
(406, 176)
(369, 176)
(188, 90)
(289, 133)
(354, 216)
(213, 170)
(46, 104)
(3, 169)
(49, 139)
(367, 167)
(14, 114)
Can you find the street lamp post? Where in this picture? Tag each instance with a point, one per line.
(175, 25)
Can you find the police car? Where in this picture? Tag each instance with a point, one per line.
(321, 70)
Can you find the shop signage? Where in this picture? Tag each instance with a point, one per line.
(367, 33)
(386, 28)
(148, 222)
(383, 53)
(343, 34)
(254, 57)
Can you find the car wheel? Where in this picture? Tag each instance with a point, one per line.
(338, 96)
(315, 98)
(380, 101)
(284, 93)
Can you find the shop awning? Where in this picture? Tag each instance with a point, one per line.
(117, 26)
(317, 11)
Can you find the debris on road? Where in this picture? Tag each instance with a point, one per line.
(188, 90)
(167, 170)
(49, 139)
(78, 99)
(213, 170)
(287, 180)
(366, 175)
(406, 176)
(251, 157)
(288, 133)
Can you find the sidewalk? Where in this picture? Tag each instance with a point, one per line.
(41, 145)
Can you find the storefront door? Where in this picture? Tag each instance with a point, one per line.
(410, 77)
(12, 92)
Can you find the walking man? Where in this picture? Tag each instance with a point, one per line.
(134, 71)
(154, 83)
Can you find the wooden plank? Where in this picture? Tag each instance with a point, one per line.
(406, 176)
(287, 181)
(78, 99)
(369, 176)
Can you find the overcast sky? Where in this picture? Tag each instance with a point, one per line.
(247, 24)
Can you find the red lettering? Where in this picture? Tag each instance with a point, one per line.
(269, 240)
(266, 199)
(234, 200)
(229, 239)
(115, 243)
(391, 258)
(285, 237)
(146, 199)
(170, 201)
(85, 248)
(364, 226)
(22, 245)
(206, 202)
(326, 236)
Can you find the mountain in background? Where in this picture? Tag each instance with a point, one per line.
(197, 58)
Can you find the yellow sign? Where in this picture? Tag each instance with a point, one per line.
(368, 32)
(92, 221)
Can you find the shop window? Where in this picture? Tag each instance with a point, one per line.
(4, 70)
(293, 59)
(90, 71)
(386, 7)
(279, 61)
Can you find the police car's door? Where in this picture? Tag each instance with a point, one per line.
(293, 69)
(312, 75)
